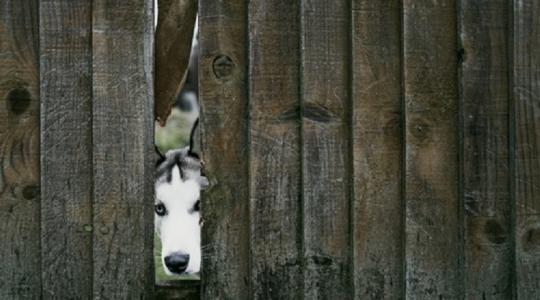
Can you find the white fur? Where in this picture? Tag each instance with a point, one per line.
(179, 229)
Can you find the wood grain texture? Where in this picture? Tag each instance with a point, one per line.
(174, 34)
(20, 268)
(433, 239)
(123, 149)
(485, 93)
(325, 149)
(377, 149)
(66, 148)
(275, 169)
(526, 106)
(178, 290)
(224, 124)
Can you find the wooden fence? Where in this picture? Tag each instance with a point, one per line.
(371, 149)
(363, 149)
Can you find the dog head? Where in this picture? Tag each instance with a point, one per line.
(177, 210)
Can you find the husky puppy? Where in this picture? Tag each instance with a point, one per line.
(177, 209)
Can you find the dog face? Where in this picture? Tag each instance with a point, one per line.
(177, 211)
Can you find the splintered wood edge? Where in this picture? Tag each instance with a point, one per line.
(174, 34)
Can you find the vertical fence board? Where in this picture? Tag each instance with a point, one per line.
(66, 148)
(275, 171)
(432, 203)
(20, 270)
(325, 149)
(122, 138)
(224, 116)
(377, 142)
(526, 97)
(484, 92)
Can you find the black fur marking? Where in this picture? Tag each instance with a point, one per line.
(161, 157)
(188, 166)
(180, 166)
(169, 175)
(192, 140)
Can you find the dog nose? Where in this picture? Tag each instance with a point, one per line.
(177, 262)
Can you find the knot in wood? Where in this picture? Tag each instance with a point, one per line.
(420, 130)
(19, 100)
(495, 233)
(104, 230)
(531, 240)
(30, 192)
(223, 66)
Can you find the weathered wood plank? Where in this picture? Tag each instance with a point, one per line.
(20, 269)
(325, 149)
(433, 235)
(377, 149)
(174, 34)
(66, 148)
(275, 170)
(484, 93)
(526, 105)
(123, 149)
(179, 289)
(224, 131)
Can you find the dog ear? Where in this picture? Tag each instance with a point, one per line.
(203, 182)
(191, 149)
(161, 157)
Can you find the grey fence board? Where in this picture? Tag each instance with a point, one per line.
(66, 148)
(377, 149)
(20, 268)
(526, 131)
(432, 241)
(325, 150)
(223, 69)
(275, 168)
(488, 241)
(123, 144)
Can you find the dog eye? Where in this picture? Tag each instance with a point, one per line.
(197, 206)
(160, 209)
